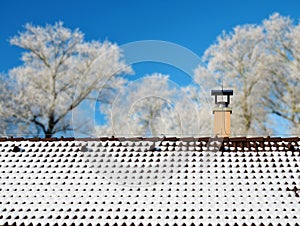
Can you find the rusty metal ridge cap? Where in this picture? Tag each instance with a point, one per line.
(172, 139)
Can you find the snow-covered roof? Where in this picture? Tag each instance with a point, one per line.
(136, 181)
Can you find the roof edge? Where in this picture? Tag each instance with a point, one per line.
(157, 139)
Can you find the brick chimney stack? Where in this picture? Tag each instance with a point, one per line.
(222, 112)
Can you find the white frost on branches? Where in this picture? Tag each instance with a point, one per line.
(235, 60)
(261, 64)
(59, 71)
(282, 68)
(155, 106)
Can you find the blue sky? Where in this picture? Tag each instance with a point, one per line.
(191, 24)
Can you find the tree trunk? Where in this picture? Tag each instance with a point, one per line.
(48, 135)
(50, 131)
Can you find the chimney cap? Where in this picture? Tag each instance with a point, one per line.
(226, 92)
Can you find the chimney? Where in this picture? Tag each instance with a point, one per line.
(222, 112)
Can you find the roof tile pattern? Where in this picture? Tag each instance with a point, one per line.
(133, 181)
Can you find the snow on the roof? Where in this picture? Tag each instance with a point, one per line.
(150, 182)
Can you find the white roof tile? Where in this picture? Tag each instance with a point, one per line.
(118, 182)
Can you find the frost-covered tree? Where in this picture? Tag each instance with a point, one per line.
(154, 106)
(3, 116)
(261, 62)
(137, 107)
(59, 71)
(282, 68)
(235, 61)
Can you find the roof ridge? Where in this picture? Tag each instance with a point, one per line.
(155, 139)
